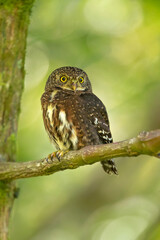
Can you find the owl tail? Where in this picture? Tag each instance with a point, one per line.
(109, 166)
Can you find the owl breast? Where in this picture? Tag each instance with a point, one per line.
(60, 130)
(71, 120)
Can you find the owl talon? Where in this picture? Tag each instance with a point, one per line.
(59, 154)
(50, 157)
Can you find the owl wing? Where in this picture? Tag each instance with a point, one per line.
(101, 123)
(98, 116)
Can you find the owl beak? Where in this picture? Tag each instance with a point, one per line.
(74, 86)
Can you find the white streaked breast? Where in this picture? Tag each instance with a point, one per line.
(64, 122)
(50, 110)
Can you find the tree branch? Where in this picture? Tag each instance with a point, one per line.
(147, 143)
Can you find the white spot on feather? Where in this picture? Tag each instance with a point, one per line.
(96, 121)
(50, 110)
(101, 131)
(64, 122)
(62, 116)
(105, 137)
(74, 139)
(52, 95)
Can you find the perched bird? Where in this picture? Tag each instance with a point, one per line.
(73, 116)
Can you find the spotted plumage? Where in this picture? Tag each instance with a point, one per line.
(73, 116)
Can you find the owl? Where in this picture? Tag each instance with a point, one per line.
(74, 117)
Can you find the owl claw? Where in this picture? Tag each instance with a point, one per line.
(50, 157)
(59, 154)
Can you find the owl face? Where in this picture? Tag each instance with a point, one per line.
(69, 78)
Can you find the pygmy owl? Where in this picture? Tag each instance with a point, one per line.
(73, 116)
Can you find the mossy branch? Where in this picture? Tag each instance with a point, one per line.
(147, 143)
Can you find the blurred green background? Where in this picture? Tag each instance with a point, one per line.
(117, 42)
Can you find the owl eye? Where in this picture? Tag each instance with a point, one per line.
(81, 79)
(63, 79)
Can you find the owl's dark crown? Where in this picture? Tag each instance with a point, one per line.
(68, 78)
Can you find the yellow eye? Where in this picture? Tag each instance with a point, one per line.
(81, 79)
(63, 79)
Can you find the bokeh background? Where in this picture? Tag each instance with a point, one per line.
(117, 42)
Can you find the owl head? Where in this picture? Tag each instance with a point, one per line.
(68, 78)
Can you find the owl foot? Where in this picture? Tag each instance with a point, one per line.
(58, 154)
(109, 167)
